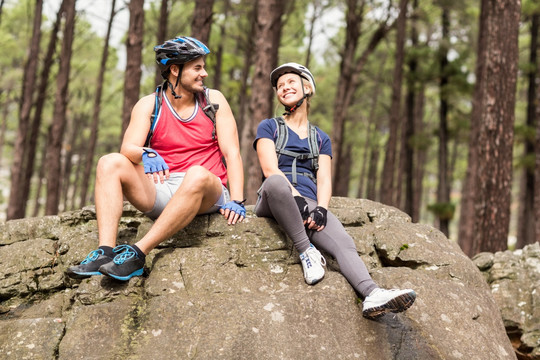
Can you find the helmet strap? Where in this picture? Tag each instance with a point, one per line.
(176, 96)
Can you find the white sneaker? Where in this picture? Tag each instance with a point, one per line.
(312, 263)
(381, 301)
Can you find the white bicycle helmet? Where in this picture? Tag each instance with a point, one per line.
(292, 68)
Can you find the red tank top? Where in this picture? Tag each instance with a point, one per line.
(184, 143)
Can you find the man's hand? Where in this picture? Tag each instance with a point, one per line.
(234, 211)
(154, 166)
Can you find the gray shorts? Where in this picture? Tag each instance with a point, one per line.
(165, 191)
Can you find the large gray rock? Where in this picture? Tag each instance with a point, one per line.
(514, 278)
(214, 291)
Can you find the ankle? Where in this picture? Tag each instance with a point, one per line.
(140, 254)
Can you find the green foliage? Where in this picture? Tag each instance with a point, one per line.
(443, 211)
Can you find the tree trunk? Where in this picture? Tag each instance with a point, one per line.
(526, 218)
(41, 174)
(388, 186)
(420, 156)
(486, 200)
(89, 161)
(201, 21)
(345, 94)
(443, 187)
(244, 97)
(17, 201)
(161, 33)
(409, 130)
(219, 52)
(3, 128)
(267, 35)
(353, 19)
(54, 152)
(40, 104)
(132, 79)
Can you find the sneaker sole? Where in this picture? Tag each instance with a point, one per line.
(396, 305)
(76, 275)
(315, 281)
(127, 277)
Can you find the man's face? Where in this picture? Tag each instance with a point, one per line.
(193, 75)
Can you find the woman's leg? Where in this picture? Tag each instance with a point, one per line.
(276, 201)
(335, 240)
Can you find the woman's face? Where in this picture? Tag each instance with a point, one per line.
(289, 89)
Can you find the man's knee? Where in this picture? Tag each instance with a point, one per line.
(198, 177)
(110, 163)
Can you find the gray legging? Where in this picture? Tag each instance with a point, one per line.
(276, 201)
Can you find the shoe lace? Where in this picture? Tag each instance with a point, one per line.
(315, 256)
(126, 253)
(92, 256)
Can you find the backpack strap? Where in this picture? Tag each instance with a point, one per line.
(155, 113)
(282, 136)
(208, 108)
(313, 140)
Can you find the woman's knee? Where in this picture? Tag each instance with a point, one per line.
(276, 184)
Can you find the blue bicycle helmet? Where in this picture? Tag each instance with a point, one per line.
(178, 51)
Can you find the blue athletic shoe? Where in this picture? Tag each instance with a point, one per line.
(125, 265)
(89, 266)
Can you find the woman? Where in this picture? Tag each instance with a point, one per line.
(298, 176)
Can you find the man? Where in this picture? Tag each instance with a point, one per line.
(182, 172)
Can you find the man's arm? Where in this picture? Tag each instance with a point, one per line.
(227, 134)
(136, 133)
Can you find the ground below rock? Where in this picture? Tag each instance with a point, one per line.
(214, 291)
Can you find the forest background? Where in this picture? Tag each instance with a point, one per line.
(431, 106)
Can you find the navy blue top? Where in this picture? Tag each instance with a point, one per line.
(306, 187)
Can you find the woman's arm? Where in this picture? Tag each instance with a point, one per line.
(324, 181)
(324, 192)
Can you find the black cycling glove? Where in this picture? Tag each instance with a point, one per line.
(318, 215)
(302, 206)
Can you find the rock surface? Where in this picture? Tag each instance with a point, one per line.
(514, 278)
(214, 291)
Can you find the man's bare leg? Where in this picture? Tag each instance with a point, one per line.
(116, 175)
(198, 192)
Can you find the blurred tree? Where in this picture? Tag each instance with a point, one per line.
(389, 189)
(485, 205)
(54, 150)
(526, 217)
(267, 38)
(201, 21)
(162, 32)
(134, 43)
(17, 201)
(89, 162)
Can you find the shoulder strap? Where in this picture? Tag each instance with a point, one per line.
(209, 108)
(155, 113)
(282, 135)
(313, 140)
